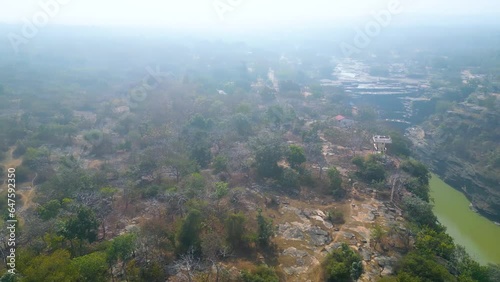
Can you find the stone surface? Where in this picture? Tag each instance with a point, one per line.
(318, 236)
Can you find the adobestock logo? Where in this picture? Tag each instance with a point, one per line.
(222, 7)
(49, 9)
(372, 28)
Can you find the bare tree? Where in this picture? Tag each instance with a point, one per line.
(187, 264)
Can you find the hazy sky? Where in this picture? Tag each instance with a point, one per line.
(202, 13)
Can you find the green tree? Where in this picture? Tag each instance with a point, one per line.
(268, 152)
(196, 135)
(430, 241)
(467, 268)
(49, 210)
(220, 164)
(423, 267)
(121, 249)
(36, 158)
(221, 190)
(188, 235)
(493, 272)
(417, 169)
(91, 267)
(262, 273)
(55, 267)
(335, 182)
(265, 230)
(83, 226)
(400, 145)
(295, 156)
(290, 178)
(242, 125)
(419, 211)
(194, 184)
(235, 229)
(420, 190)
(343, 264)
(369, 169)
(9, 277)
(335, 216)
(377, 234)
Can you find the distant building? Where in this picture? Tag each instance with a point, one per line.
(379, 142)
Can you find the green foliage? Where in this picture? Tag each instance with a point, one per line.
(377, 233)
(369, 169)
(416, 169)
(436, 243)
(242, 125)
(188, 236)
(295, 156)
(493, 272)
(56, 267)
(262, 273)
(400, 145)
(20, 150)
(69, 181)
(194, 184)
(343, 264)
(290, 178)
(36, 158)
(121, 248)
(82, 226)
(221, 190)
(268, 152)
(153, 272)
(335, 180)
(420, 190)
(467, 268)
(9, 277)
(220, 164)
(335, 216)
(22, 173)
(93, 136)
(49, 210)
(423, 267)
(418, 211)
(235, 229)
(91, 267)
(196, 137)
(265, 230)
(151, 191)
(181, 164)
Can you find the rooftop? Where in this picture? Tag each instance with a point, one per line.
(382, 139)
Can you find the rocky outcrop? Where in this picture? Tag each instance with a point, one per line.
(483, 192)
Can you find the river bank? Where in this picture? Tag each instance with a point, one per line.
(476, 233)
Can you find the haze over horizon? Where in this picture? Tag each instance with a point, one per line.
(228, 14)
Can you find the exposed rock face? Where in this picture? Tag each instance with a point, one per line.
(318, 236)
(365, 254)
(302, 261)
(463, 177)
(387, 264)
(290, 232)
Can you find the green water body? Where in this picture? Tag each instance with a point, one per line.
(479, 236)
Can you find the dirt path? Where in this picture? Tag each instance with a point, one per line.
(26, 194)
(9, 162)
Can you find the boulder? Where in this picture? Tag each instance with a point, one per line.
(318, 236)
